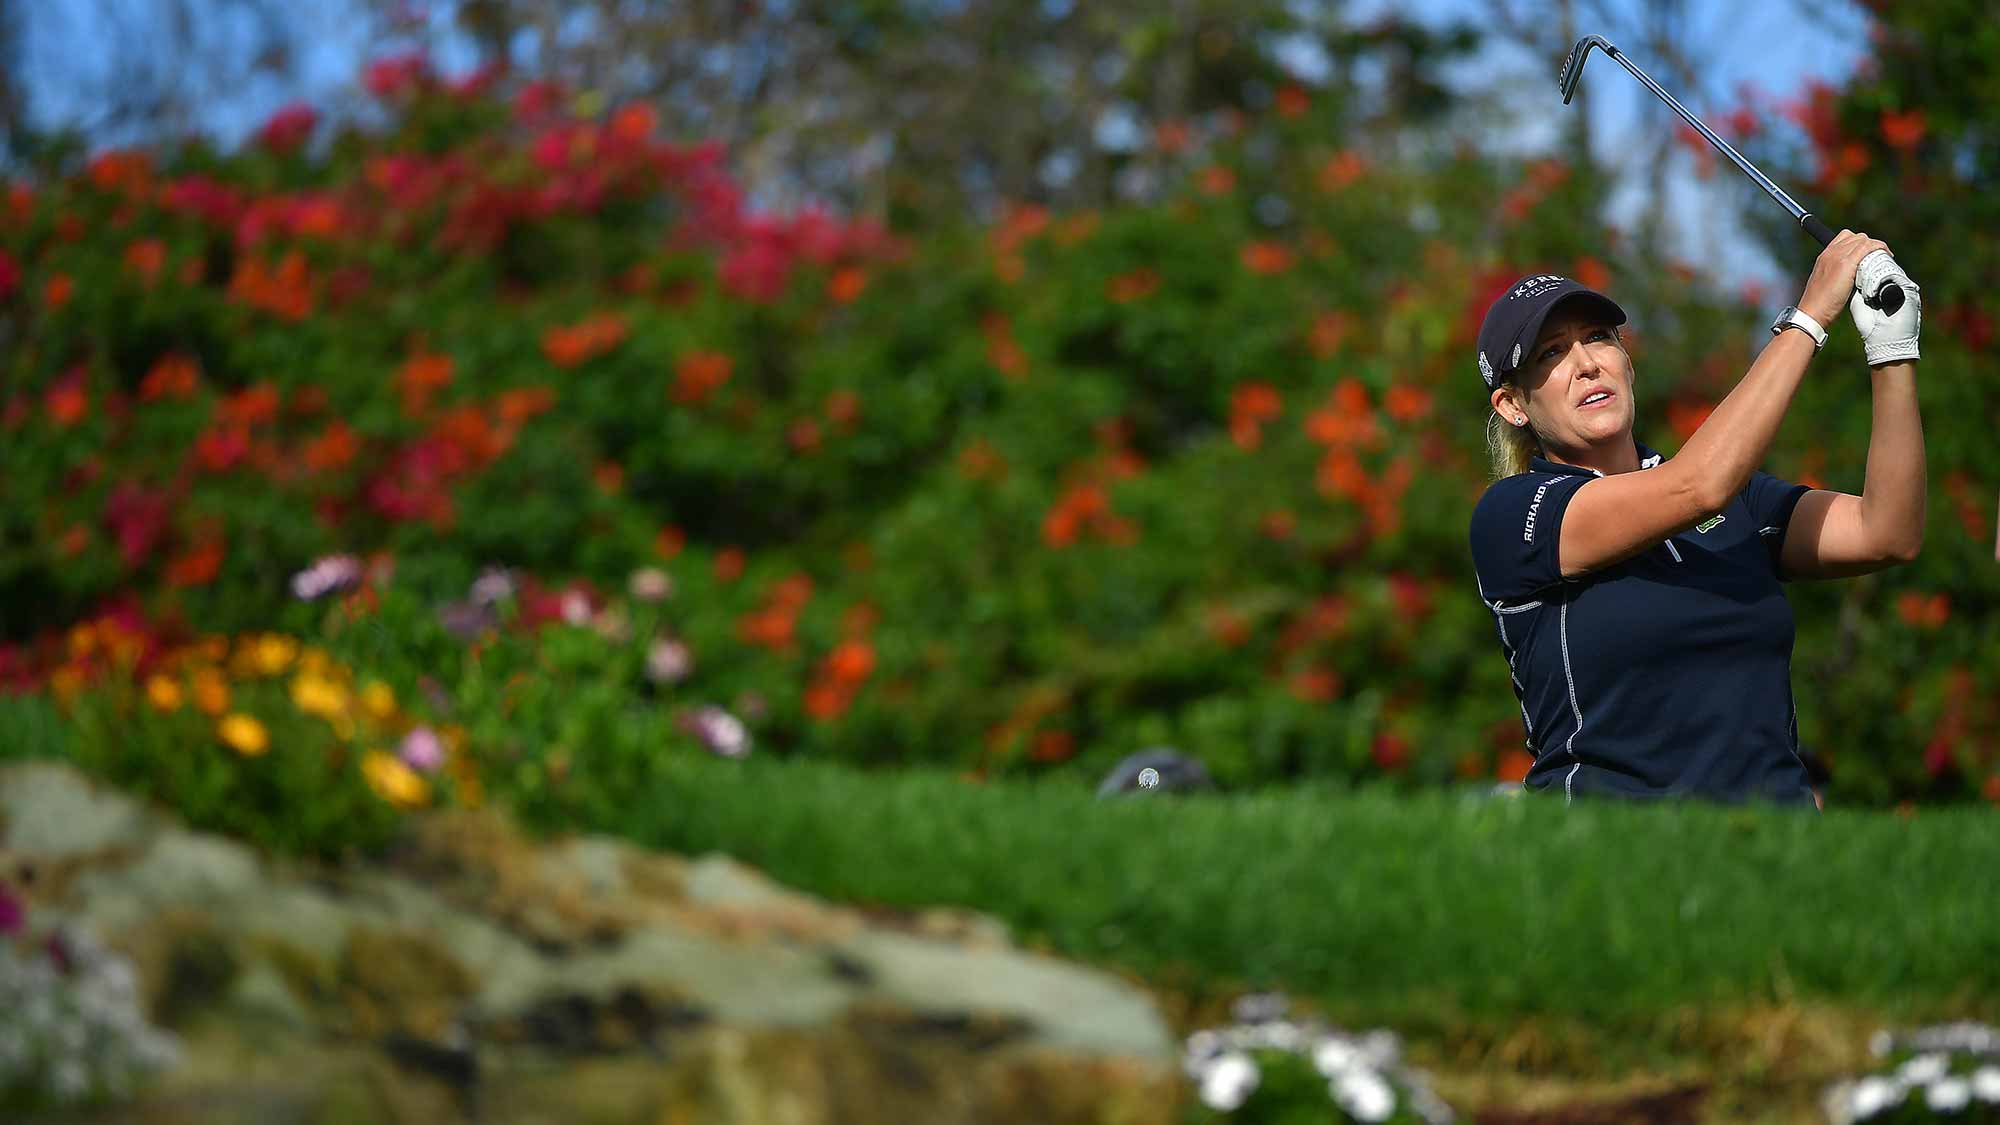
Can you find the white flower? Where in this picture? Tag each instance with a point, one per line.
(1228, 1082)
(1874, 1094)
(1257, 1007)
(1922, 1069)
(69, 1080)
(328, 575)
(719, 730)
(1948, 1095)
(668, 662)
(1986, 1083)
(1203, 1044)
(651, 584)
(575, 607)
(1333, 1056)
(1365, 1095)
(492, 585)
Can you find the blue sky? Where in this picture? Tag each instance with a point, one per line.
(1777, 46)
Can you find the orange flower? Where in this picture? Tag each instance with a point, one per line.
(1903, 130)
(67, 400)
(846, 284)
(1053, 746)
(421, 376)
(803, 435)
(729, 564)
(252, 406)
(698, 374)
(1686, 415)
(1514, 765)
(669, 542)
(1340, 474)
(198, 567)
(56, 293)
(1923, 612)
(332, 449)
(146, 257)
(634, 122)
(1292, 100)
(609, 477)
(850, 662)
(523, 403)
(1128, 287)
(1256, 400)
(1315, 684)
(980, 461)
(569, 346)
(171, 376)
(843, 407)
(1341, 169)
(826, 701)
(1328, 329)
(1406, 403)
(1218, 179)
(1266, 258)
(1591, 272)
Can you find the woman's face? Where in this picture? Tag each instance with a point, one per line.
(1577, 358)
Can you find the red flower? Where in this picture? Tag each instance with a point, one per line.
(288, 128)
(1391, 751)
(10, 276)
(1266, 258)
(1292, 100)
(1903, 130)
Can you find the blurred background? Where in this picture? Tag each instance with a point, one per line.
(417, 408)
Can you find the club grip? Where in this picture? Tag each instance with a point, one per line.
(1888, 298)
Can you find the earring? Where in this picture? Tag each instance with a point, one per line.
(1520, 421)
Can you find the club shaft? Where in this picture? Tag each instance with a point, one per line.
(1721, 145)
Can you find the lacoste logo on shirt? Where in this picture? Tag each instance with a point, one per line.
(1708, 523)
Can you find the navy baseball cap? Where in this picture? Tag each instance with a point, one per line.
(1514, 321)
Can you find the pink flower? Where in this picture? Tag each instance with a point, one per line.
(668, 662)
(422, 749)
(10, 276)
(11, 913)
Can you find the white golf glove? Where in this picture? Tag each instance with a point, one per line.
(1886, 337)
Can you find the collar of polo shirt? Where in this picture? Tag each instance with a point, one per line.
(1648, 457)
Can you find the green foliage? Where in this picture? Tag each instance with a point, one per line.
(1017, 500)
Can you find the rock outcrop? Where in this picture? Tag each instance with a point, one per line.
(478, 975)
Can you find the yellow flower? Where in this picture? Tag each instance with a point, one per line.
(65, 683)
(273, 653)
(316, 660)
(82, 639)
(243, 734)
(316, 695)
(393, 781)
(211, 691)
(164, 692)
(378, 701)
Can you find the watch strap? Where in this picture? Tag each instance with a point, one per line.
(1793, 318)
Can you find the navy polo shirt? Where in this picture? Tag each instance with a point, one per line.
(1668, 674)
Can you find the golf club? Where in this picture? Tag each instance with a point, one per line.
(1888, 297)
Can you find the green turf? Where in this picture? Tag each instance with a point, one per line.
(1415, 910)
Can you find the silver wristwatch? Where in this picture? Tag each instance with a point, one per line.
(1793, 318)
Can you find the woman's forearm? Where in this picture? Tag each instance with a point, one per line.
(1892, 493)
(1731, 442)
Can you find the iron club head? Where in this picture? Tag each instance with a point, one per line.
(1573, 65)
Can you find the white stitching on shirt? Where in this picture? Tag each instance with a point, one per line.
(1569, 675)
(1672, 550)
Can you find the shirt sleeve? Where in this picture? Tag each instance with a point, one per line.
(1771, 500)
(1516, 528)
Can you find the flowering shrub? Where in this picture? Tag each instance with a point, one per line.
(1949, 1072)
(71, 1029)
(1267, 1069)
(1014, 500)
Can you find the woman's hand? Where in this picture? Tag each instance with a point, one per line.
(1886, 337)
(1832, 280)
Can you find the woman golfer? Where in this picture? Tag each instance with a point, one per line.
(1637, 596)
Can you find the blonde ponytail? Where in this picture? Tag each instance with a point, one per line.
(1509, 447)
